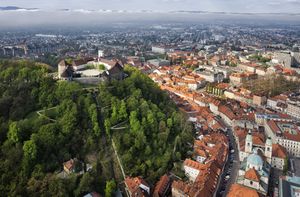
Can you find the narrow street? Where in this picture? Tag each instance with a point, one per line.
(230, 173)
(233, 164)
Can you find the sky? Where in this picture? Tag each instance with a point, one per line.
(94, 12)
(253, 6)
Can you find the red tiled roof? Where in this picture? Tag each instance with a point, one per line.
(162, 186)
(194, 164)
(252, 174)
(237, 190)
(133, 185)
(279, 151)
(227, 112)
(275, 129)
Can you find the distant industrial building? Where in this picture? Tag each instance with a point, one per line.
(288, 59)
(159, 62)
(161, 50)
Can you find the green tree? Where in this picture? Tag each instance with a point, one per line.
(30, 150)
(101, 67)
(170, 122)
(107, 126)
(85, 185)
(114, 115)
(69, 120)
(123, 111)
(110, 188)
(134, 122)
(13, 132)
(94, 117)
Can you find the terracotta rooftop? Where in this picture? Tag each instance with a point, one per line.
(162, 186)
(182, 187)
(279, 151)
(237, 190)
(227, 112)
(252, 174)
(133, 185)
(293, 135)
(258, 139)
(241, 133)
(272, 124)
(194, 164)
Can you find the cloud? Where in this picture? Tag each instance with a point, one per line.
(253, 6)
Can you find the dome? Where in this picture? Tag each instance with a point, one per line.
(255, 160)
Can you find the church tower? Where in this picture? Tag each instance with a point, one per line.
(249, 143)
(268, 150)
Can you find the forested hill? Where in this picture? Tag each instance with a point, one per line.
(44, 123)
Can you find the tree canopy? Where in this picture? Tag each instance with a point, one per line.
(44, 123)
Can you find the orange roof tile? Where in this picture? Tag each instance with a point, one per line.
(237, 190)
(193, 164)
(252, 174)
(279, 151)
(273, 126)
(162, 186)
(133, 185)
(227, 112)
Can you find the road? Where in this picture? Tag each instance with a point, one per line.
(232, 166)
(235, 163)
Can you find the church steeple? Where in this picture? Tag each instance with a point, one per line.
(249, 143)
(268, 149)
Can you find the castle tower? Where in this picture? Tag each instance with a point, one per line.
(268, 150)
(62, 67)
(249, 143)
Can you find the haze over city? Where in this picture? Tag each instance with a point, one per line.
(252, 6)
(91, 12)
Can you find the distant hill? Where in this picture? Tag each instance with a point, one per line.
(13, 8)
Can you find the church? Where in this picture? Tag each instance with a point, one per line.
(257, 156)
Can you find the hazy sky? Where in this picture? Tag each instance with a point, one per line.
(290, 6)
(88, 12)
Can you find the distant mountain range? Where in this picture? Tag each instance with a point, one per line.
(15, 8)
(233, 13)
(174, 12)
(87, 11)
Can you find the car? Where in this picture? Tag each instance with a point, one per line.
(232, 151)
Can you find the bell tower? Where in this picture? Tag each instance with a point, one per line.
(268, 150)
(249, 143)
